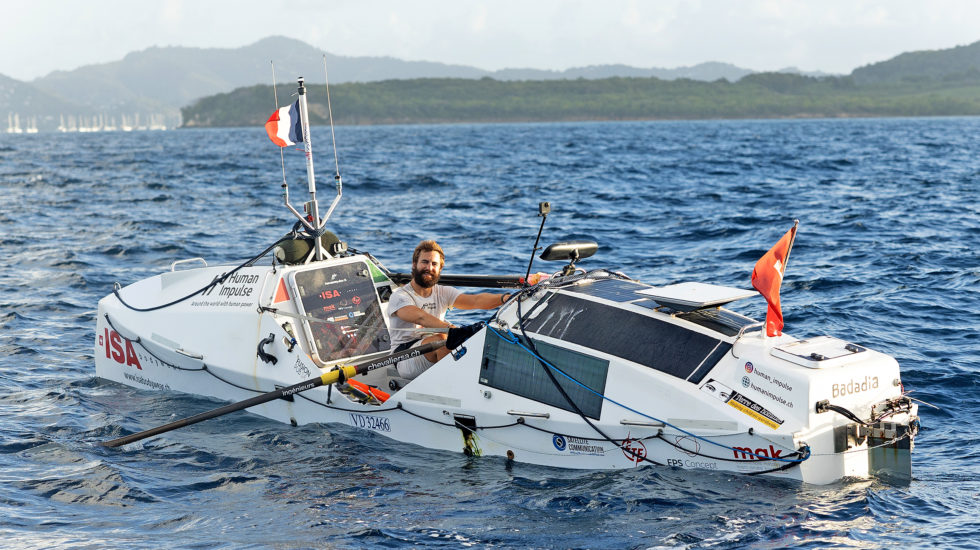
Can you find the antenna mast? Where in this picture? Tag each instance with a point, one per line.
(312, 208)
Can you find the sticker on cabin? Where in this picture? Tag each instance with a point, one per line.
(717, 389)
(301, 369)
(741, 403)
(237, 290)
(776, 388)
(633, 449)
(755, 410)
(576, 445)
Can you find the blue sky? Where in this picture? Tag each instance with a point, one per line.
(834, 36)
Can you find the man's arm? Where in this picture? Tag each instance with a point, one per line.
(415, 315)
(485, 300)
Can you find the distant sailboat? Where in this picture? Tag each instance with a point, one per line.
(13, 124)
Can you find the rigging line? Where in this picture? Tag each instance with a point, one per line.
(684, 449)
(326, 82)
(139, 340)
(556, 369)
(204, 366)
(282, 156)
(586, 438)
(216, 280)
(400, 407)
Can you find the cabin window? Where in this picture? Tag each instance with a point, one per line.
(511, 368)
(345, 297)
(658, 344)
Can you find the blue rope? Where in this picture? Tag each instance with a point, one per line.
(583, 386)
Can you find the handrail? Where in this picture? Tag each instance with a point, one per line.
(746, 328)
(188, 260)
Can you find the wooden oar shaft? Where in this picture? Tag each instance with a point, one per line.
(329, 377)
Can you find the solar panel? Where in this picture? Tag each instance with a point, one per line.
(615, 290)
(691, 296)
(656, 343)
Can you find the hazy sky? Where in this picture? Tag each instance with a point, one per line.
(40, 36)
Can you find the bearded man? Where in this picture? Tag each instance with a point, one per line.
(423, 303)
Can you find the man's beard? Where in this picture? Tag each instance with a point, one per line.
(424, 280)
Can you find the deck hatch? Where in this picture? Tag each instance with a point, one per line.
(511, 368)
(660, 345)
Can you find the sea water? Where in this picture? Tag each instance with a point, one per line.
(886, 257)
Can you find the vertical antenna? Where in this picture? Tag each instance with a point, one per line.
(336, 177)
(544, 209)
(282, 156)
(313, 208)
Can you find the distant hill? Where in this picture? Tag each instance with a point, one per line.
(433, 101)
(31, 104)
(707, 72)
(157, 82)
(950, 65)
(162, 80)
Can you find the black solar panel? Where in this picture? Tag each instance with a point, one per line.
(616, 290)
(636, 337)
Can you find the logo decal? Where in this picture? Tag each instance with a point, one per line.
(301, 369)
(742, 403)
(633, 449)
(747, 453)
(113, 344)
(688, 445)
(855, 386)
(576, 445)
(749, 368)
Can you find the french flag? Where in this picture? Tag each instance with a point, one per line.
(284, 127)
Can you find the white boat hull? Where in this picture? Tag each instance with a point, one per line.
(749, 408)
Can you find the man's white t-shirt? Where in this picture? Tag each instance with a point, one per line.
(441, 299)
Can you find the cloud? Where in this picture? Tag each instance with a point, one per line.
(828, 35)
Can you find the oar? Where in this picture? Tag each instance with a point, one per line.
(480, 281)
(330, 377)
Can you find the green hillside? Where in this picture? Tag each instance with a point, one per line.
(764, 95)
(951, 65)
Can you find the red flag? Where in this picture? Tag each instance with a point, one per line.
(768, 275)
